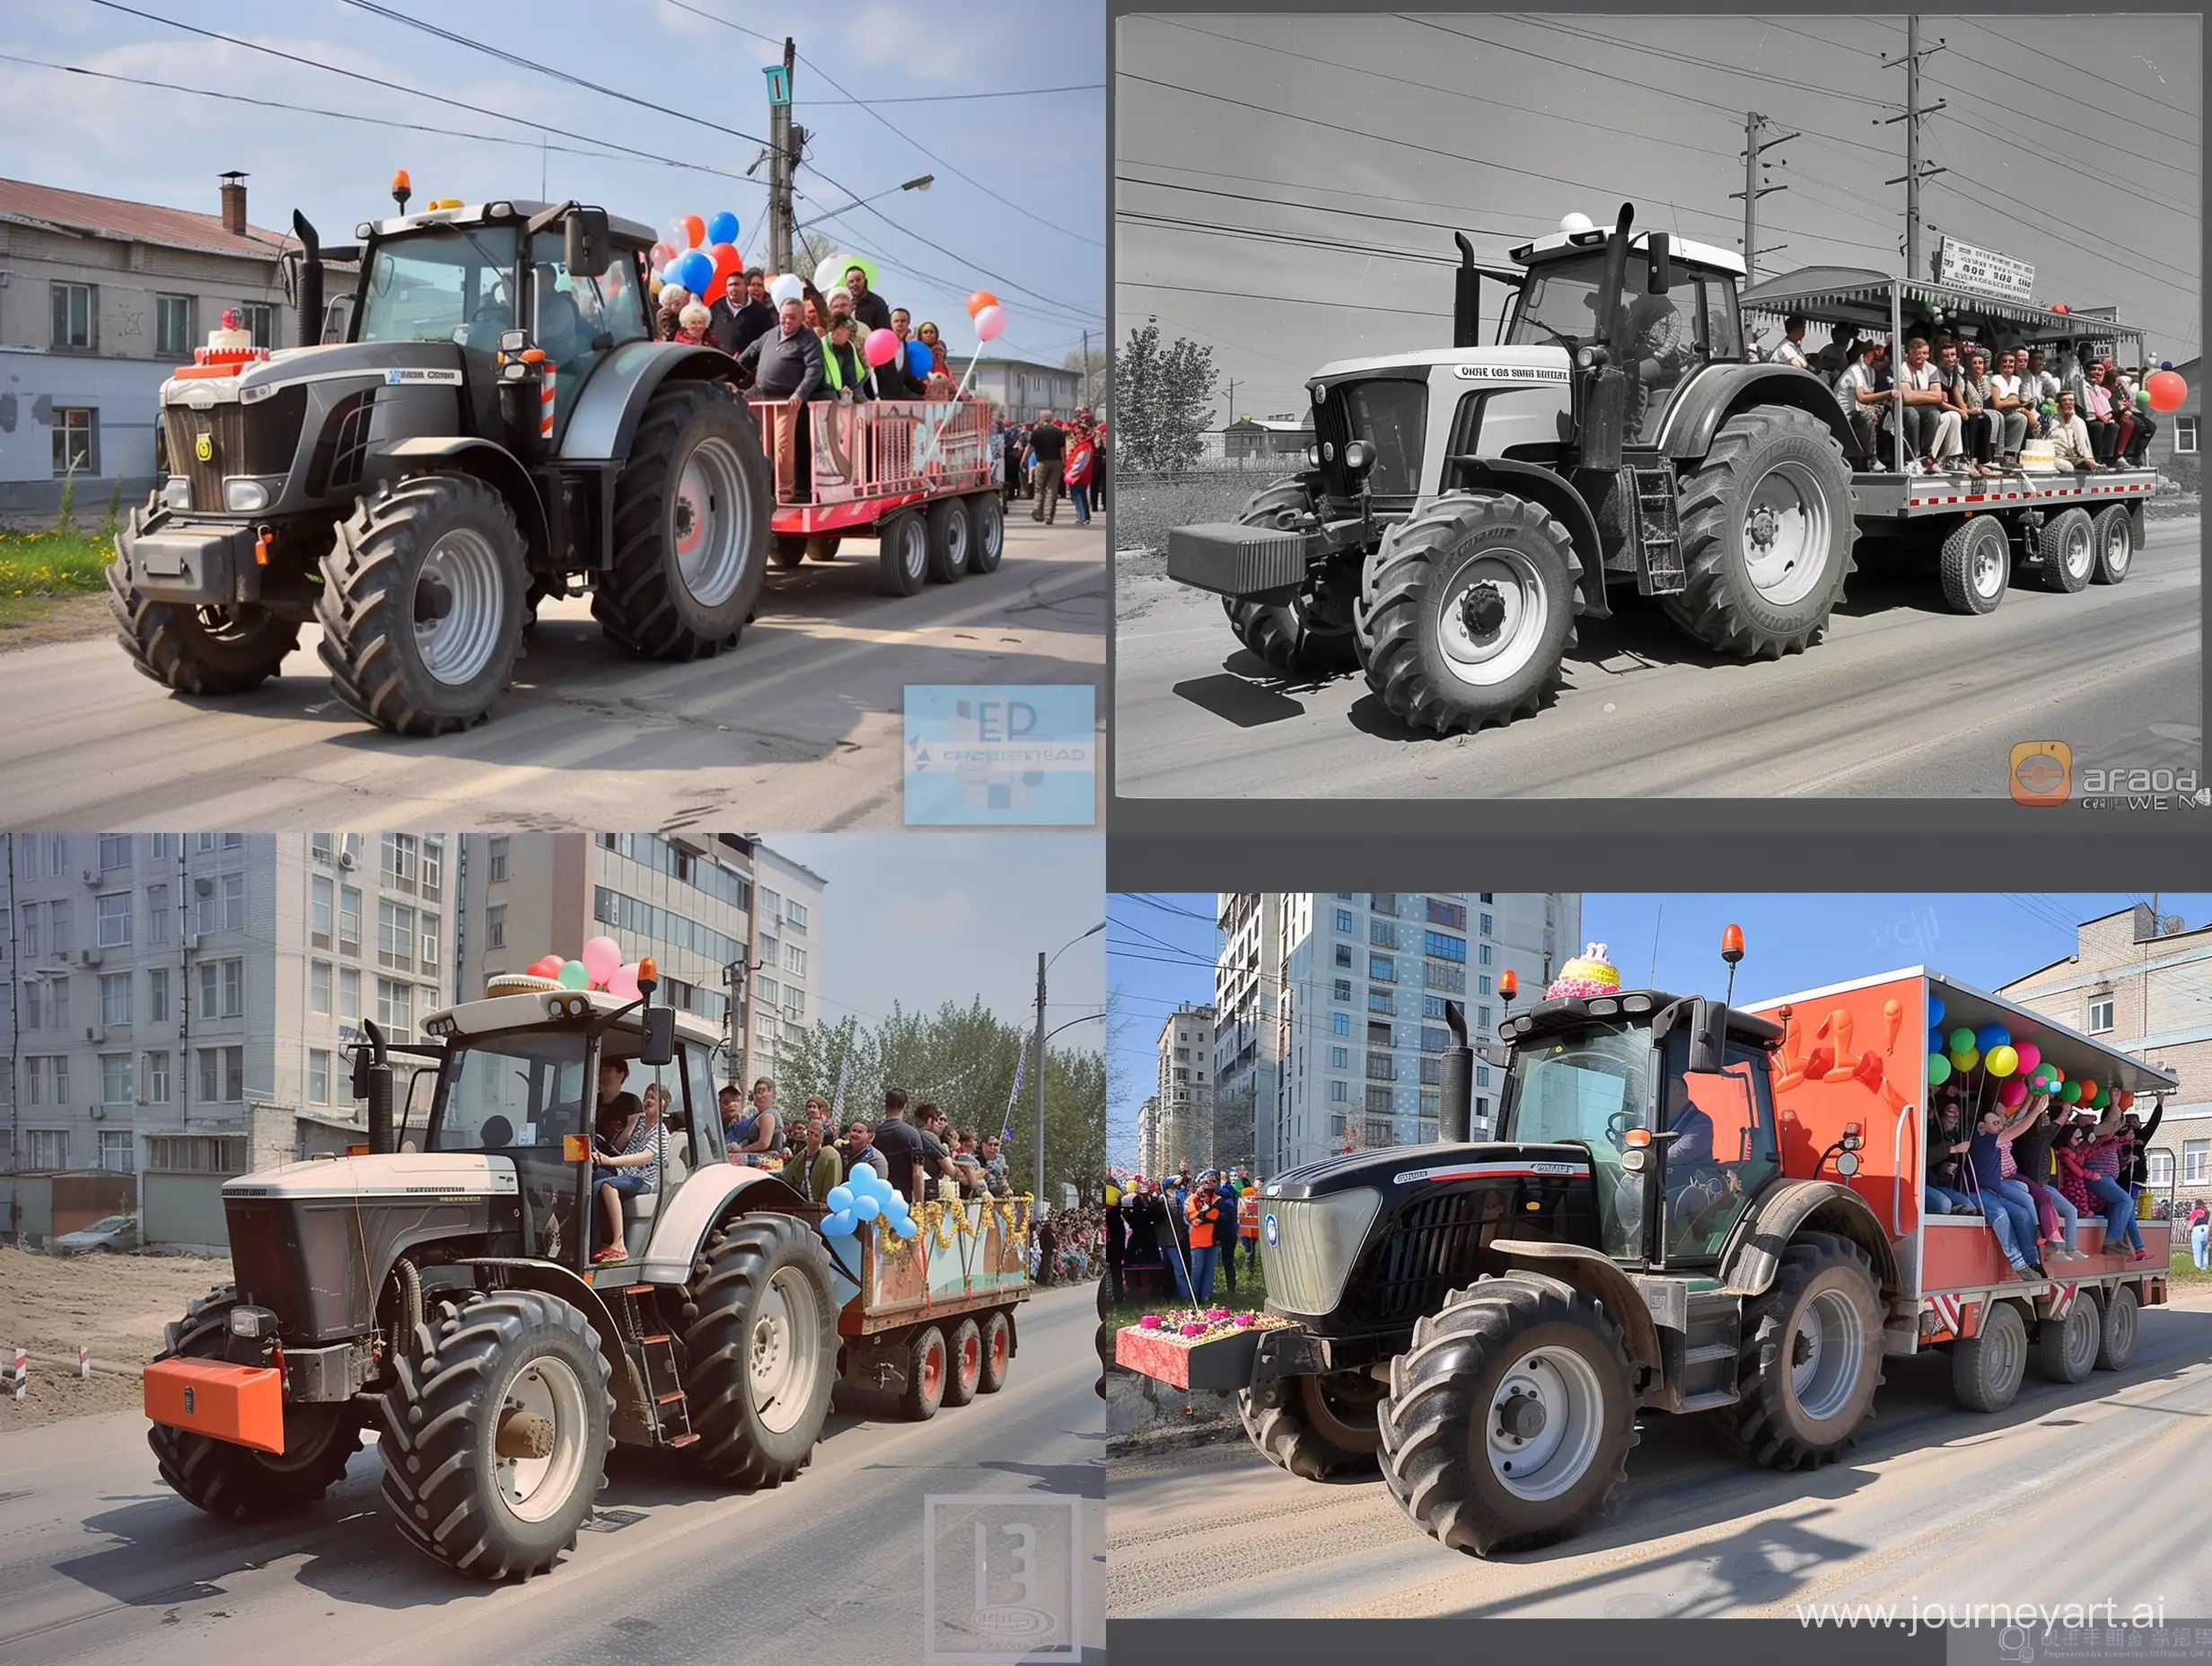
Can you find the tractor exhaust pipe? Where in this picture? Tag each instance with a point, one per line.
(311, 281)
(1466, 297)
(378, 1073)
(1455, 1101)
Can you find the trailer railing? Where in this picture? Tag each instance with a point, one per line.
(880, 448)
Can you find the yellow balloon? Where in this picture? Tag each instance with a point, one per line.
(2002, 1061)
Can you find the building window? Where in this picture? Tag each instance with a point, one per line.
(349, 920)
(1339, 1058)
(495, 927)
(432, 866)
(321, 900)
(1442, 974)
(2100, 1015)
(114, 852)
(498, 854)
(65, 927)
(196, 1154)
(1382, 969)
(348, 993)
(49, 1148)
(74, 310)
(221, 1075)
(1448, 914)
(157, 1078)
(111, 920)
(1342, 991)
(317, 1077)
(115, 997)
(318, 846)
(1485, 926)
(76, 441)
(157, 913)
(2161, 1168)
(1344, 955)
(172, 324)
(1344, 921)
(794, 958)
(28, 944)
(261, 318)
(795, 1006)
(395, 935)
(115, 1154)
(319, 987)
(157, 995)
(114, 1087)
(1442, 946)
(2185, 436)
(395, 1006)
(795, 919)
(1378, 1035)
(1384, 901)
(2196, 1161)
(1340, 1023)
(1378, 1101)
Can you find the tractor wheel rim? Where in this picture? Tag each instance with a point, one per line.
(2080, 1340)
(999, 1351)
(991, 531)
(1787, 532)
(460, 601)
(223, 624)
(956, 540)
(933, 1370)
(2007, 1348)
(1555, 1456)
(2119, 546)
(2076, 550)
(1346, 1409)
(2123, 1326)
(786, 1335)
(713, 510)
(1494, 615)
(1988, 576)
(1829, 1355)
(533, 1489)
(914, 554)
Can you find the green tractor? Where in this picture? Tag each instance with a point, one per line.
(489, 423)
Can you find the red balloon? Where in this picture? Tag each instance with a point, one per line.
(982, 298)
(2061, 307)
(2166, 389)
(694, 231)
(728, 263)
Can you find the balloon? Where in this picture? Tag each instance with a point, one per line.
(982, 298)
(830, 274)
(881, 347)
(1936, 1043)
(2030, 1056)
(867, 1208)
(721, 228)
(623, 984)
(839, 1197)
(1962, 1041)
(2013, 1094)
(2143, 396)
(2053, 1072)
(671, 274)
(574, 975)
(2071, 1092)
(2165, 363)
(2167, 390)
(2061, 307)
(1966, 1060)
(2127, 1099)
(662, 253)
(788, 287)
(906, 1226)
(837, 1225)
(692, 229)
(1938, 1070)
(920, 359)
(989, 323)
(1992, 1036)
(2003, 1061)
(1936, 1010)
(602, 956)
(728, 263)
(695, 270)
(2089, 1088)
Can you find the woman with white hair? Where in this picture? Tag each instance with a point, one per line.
(692, 325)
(673, 299)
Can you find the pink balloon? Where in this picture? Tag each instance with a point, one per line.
(2012, 1093)
(602, 956)
(2030, 1056)
(881, 347)
(989, 323)
(623, 984)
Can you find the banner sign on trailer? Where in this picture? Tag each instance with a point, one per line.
(1983, 271)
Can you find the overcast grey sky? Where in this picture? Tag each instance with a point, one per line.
(921, 918)
(1498, 124)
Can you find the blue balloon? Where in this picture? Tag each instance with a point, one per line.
(1935, 1013)
(1992, 1036)
(839, 1197)
(2165, 364)
(920, 359)
(1937, 1042)
(906, 1226)
(865, 1208)
(695, 270)
(721, 228)
(837, 1225)
(672, 272)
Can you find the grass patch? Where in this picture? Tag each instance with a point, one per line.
(2185, 1264)
(1251, 1295)
(38, 569)
(1143, 510)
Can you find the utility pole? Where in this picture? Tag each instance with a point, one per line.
(1914, 174)
(1086, 370)
(1037, 1064)
(1754, 124)
(783, 158)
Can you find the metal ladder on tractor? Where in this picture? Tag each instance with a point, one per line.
(652, 1354)
(1659, 570)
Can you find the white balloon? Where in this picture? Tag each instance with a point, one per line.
(788, 287)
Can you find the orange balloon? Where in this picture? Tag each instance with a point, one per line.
(982, 298)
(694, 231)
(2089, 1089)
(2167, 390)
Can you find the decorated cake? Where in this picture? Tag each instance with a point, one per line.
(1588, 973)
(231, 345)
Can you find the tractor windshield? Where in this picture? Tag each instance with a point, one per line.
(455, 286)
(1588, 1088)
(1559, 303)
(502, 1091)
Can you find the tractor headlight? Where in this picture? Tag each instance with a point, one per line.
(1589, 358)
(246, 1321)
(1314, 456)
(242, 494)
(176, 491)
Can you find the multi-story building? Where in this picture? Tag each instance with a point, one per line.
(1184, 1131)
(786, 988)
(1148, 1138)
(2142, 982)
(1349, 1056)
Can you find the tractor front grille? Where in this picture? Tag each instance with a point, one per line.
(240, 439)
(343, 445)
(1432, 1250)
(1308, 1247)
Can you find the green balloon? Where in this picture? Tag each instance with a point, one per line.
(2071, 1092)
(1962, 1041)
(573, 975)
(2104, 1098)
(1938, 1070)
(2142, 396)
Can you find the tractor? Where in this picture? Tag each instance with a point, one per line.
(438, 1285)
(1460, 511)
(486, 422)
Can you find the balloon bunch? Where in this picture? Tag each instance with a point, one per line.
(2017, 1068)
(867, 1195)
(602, 967)
(990, 317)
(705, 257)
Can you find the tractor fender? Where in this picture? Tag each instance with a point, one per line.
(1557, 496)
(486, 460)
(1753, 1253)
(1714, 394)
(551, 1278)
(1603, 1282)
(605, 417)
(680, 1228)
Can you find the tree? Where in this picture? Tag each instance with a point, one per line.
(1092, 368)
(1161, 400)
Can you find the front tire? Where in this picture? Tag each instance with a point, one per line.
(691, 526)
(495, 1433)
(763, 1350)
(2113, 533)
(1474, 610)
(2068, 547)
(1315, 1427)
(950, 537)
(237, 1483)
(1766, 532)
(1986, 1369)
(423, 604)
(1810, 1357)
(1975, 565)
(1290, 638)
(202, 651)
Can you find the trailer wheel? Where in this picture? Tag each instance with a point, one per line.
(950, 537)
(1315, 1426)
(2113, 533)
(195, 649)
(988, 516)
(422, 605)
(2068, 546)
(1810, 1357)
(1975, 566)
(495, 1433)
(904, 542)
(965, 1372)
(1474, 609)
(2116, 1337)
(997, 1353)
(823, 547)
(238, 1483)
(1289, 638)
(2066, 1350)
(1986, 1369)
(789, 552)
(1508, 1423)
(762, 1350)
(1767, 535)
(927, 1368)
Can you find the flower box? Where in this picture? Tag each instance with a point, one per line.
(1219, 1358)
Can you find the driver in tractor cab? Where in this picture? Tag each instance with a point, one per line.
(624, 1162)
(1695, 1181)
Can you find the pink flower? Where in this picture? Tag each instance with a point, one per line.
(1244, 1319)
(1216, 1312)
(1194, 1330)
(1151, 1321)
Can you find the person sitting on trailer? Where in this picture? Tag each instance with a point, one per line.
(1923, 406)
(2103, 1153)
(2070, 443)
(1790, 349)
(2009, 409)
(2137, 424)
(814, 1167)
(2014, 1187)
(1944, 1192)
(1984, 1168)
(2038, 388)
(1977, 421)
(1862, 405)
(2031, 1152)
(1831, 361)
(2095, 406)
(1951, 421)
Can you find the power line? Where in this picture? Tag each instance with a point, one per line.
(2044, 58)
(1242, 295)
(2027, 142)
(1764, 77)
(951, 97)
(1079, 314)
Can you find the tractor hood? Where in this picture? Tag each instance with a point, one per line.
(395, 363)
(1544, 363)
(424, 1175)
(1400, 1169)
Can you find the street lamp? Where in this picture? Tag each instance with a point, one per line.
(922, 184)
(1037, 1158)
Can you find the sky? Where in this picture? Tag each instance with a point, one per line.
(1500, 124)
(1161, 947)
(922, 918)
(1043, 153)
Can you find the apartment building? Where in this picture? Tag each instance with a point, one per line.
(1184, 1127)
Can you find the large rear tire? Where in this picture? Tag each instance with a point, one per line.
(1315, 1426)
(1810, 1357)
(1986, 1369)
(237, 1483)
(2068, 546)
(495, 1433)
(762, 1351)
(2065, 1351)
(1767, 533)
(195, 649)
(1289, 638)
(997, 1353)
(950, 537)
(423, 604)
(1509, 1421)
(903, 553)
(1975, 565)
(987, 518)
(691, 526)
(2113, 533)
(1473, 610)
(2116, 1334)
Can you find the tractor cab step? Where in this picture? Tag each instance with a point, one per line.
(1656, 532)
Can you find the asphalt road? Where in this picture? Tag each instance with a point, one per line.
(1904, 699)
(101, 1563)
(801, 728)
(2088, 1494)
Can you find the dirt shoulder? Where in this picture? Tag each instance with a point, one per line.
(117, 1305)
(34, 624)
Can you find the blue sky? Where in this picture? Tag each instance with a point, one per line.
(1159, 954)
(1043, 154)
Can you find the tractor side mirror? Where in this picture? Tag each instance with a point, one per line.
(1708, 1033)
(659, 1047)
(1661, 263)
(361, 1061)
(585, 250)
